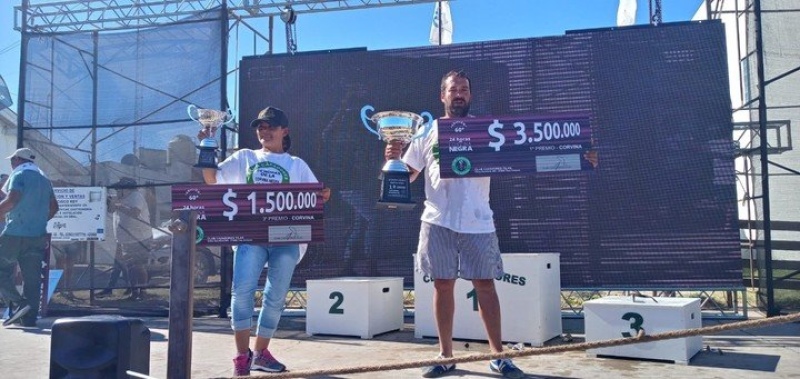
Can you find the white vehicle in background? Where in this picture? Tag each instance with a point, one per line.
(206, 260)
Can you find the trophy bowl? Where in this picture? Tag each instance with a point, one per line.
(210, 120)
(396, 126)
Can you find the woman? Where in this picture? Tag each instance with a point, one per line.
(270, 164)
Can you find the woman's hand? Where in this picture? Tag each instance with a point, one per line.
(591, 157)
(203, 134)
(325, 194)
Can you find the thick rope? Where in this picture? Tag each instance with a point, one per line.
(640, 338)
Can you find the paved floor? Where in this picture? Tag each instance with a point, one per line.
(768, 352)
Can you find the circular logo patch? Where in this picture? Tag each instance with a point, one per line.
(461, 166)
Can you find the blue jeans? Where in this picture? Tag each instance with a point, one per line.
(248, 263)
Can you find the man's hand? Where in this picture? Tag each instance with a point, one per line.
(394, 150)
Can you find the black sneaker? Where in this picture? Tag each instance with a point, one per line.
(24, 323)
(437, 370)
(506, 368)
(21, 311)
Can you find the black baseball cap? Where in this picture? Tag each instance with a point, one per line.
(272, 116)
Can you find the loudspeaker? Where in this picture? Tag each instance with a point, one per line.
(96, 347)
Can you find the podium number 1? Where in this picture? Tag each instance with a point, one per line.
(636, 322)
(474, 296)
(339, 297)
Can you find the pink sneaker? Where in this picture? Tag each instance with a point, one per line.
(264, 361)
(241, 364)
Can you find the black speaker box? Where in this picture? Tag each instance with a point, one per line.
(99, 347)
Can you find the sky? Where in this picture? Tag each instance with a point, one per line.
(400, 26)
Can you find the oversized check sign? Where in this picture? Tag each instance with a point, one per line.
(513, 145)
(254, 213)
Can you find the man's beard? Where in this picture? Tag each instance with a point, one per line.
(459, 110)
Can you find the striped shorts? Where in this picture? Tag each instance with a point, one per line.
(445, 254)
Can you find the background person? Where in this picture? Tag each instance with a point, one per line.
(66, 254)
(29, 204)
(457, 238)
(270, 164)
(134, 237)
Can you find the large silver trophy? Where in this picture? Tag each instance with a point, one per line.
(396, 126)
(210, 120)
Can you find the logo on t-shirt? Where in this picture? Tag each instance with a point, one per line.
(267, 172)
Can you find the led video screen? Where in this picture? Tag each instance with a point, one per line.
(658, 211)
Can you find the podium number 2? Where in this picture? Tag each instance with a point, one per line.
(339, 297)
(636, 322)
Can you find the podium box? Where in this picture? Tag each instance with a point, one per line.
(354, 306)
(530, 302)
(616, 317)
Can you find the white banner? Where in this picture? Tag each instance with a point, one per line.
(81, 215)
(626, 14)
(446, 25)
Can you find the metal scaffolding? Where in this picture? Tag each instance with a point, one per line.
(767, 66)
(96, 15)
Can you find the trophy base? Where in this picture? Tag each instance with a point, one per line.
(389, 205)
(207, 158)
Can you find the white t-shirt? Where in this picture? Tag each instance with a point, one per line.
(129, 229)
(460, 204)
(257, 166)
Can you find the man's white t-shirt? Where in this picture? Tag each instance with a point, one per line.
(460, 204)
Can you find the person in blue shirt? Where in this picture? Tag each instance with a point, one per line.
(28, 205)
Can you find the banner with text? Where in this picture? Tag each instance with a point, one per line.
(230, 214)
(81, 214)
(513, 145)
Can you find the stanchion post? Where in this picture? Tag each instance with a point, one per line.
(181, 291)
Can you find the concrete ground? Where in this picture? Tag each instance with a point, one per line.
(767, 352)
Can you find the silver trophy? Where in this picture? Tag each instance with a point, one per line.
(396, 126)
(211, 120)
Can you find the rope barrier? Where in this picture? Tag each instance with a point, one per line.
(640, 338)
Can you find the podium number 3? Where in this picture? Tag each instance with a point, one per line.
(636, 322)
(339, 297)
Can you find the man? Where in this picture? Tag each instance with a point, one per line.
(29, 204)
(134, 237)
(457, 238)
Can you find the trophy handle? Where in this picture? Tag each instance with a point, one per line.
(365, 120)
(191, 109)
(423, 130)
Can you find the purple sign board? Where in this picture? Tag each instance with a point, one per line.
(513, 145)
(230, 214)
